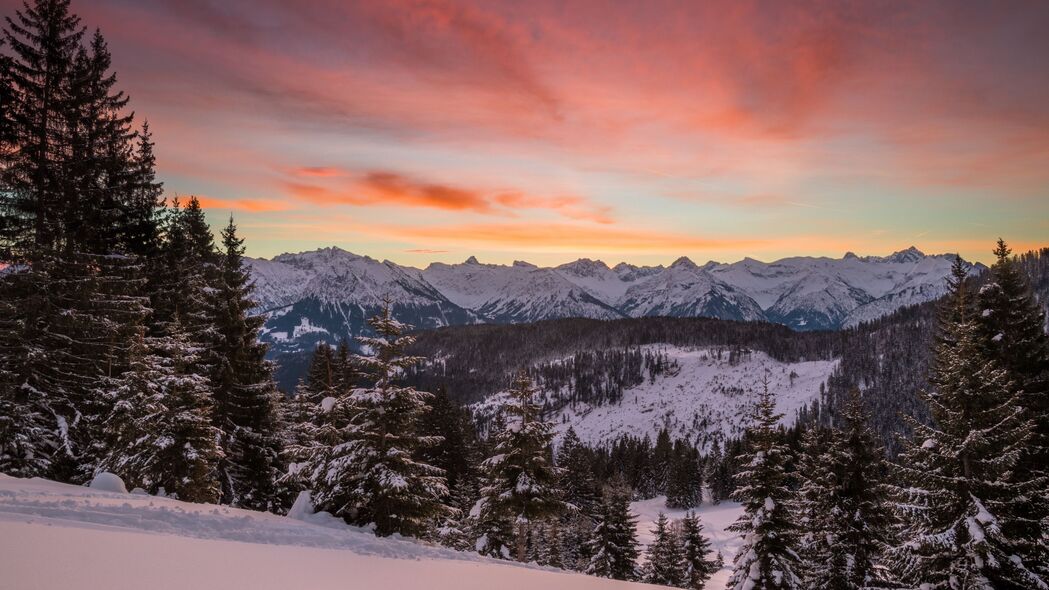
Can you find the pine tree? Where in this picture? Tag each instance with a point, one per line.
(685, 485)
(520, 480)
(767, 560)
(716, 474)
(577, 482)
(696, 546)
(44, 39)
(961, 504)
(665, 564)
(1011, 328)
(842, 504)
(244, 394)
(159, 432)
(662, 461)
(613, 545)
(373, 475)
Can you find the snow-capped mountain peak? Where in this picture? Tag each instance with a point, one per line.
(327, 293)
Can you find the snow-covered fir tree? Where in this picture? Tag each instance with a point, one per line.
(578, 486)
(245, 397)
(1011, 327)
(963, 506)
(159, 434)
(767, 560)
(665, 558)
(842, 506)
(613, 546)
(372, 474)
(696, 547)
(520, 480)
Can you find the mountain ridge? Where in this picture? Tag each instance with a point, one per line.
(327, 294)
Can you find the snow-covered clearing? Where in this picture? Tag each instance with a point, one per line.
(709, 397)
(55, 536)
(715, 519)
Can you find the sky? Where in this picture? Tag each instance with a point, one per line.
(546, 131)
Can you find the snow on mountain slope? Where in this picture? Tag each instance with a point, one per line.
(686, 290)
(521, 292)
(603, 282)
(328, 295)
(709, 396)
(55, 536)
(335, 291)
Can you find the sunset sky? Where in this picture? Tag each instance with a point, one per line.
(637, 131)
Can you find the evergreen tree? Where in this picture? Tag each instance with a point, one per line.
(373, 475)
(159, 432)
(964, 507)
(44, 39)
(685, 485)
(662, 461)
(245, 397)
(767, 560)
(520, 480)
(696, 547)
(717, 474)
(665, 565)
(578, 485)
(613, 545)
(1011, 329)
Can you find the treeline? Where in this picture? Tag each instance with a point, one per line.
(125, 339)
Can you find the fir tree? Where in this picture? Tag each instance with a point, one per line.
(244, 394)
(44, 39)
(578, 485)
(685, 485)
(665, 564)
(696, 547)
(962, 504)
(1011, 329)
(159, 432)
(520, 480)
(716, 474)
(767, 560)
(613, 545)
(373, 475)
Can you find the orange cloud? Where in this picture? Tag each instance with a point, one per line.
(390, 188)
(254, 206)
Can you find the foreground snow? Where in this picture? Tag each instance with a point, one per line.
(57, 536)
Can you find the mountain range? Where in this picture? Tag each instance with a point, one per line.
(328, 294)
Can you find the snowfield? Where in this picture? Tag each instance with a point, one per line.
(57, 536)
(707, 398)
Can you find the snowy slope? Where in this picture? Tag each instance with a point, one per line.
(706, 398)
(55, 537)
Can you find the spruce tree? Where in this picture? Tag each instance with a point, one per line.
(685, 484)
(613, 545)
(43, 39)
(373, 475)
(962, 504)
(244, 394)
(716, 474)
(767, 559)
(696, 546)
(519, 479)
(665, 558)
(1011, 328)
(159, 433)
(577, 482)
